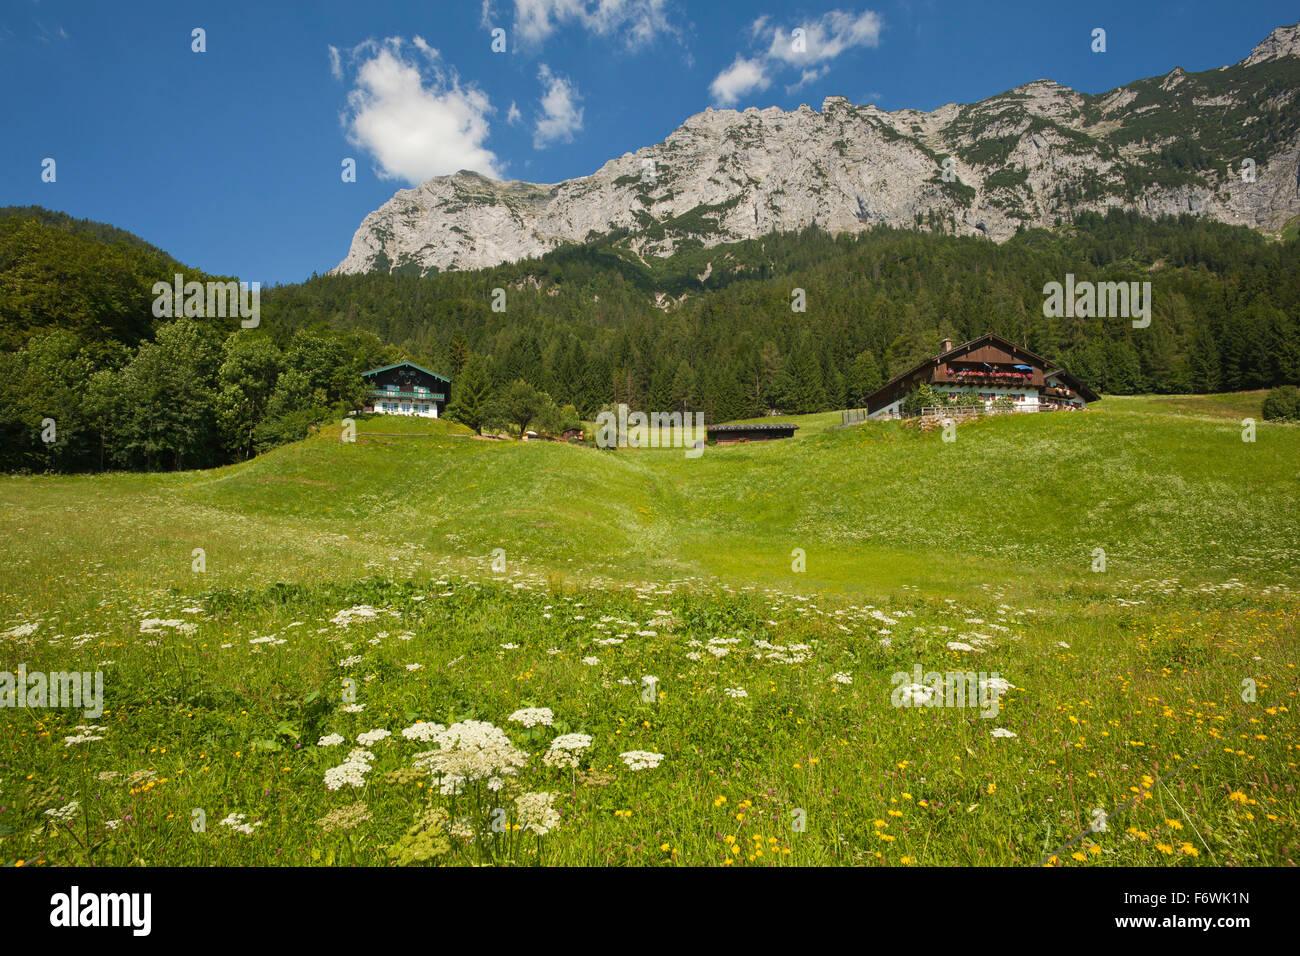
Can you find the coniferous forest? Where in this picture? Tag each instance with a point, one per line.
(718, 330)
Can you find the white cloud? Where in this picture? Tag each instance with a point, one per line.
(513, 116)
(45, 35)
(741, 78)
(808, 76)
(336, 63)
(826, 37)
(637, 21)
(430, 53)
(821, 41)
(415, 118)
(561, 115)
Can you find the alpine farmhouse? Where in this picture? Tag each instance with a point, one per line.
(407, 389)
(992, 368)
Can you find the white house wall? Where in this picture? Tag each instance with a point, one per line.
(411, 412)
(892, 410)
(1026, 396)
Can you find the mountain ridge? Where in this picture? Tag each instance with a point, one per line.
(1035, 155)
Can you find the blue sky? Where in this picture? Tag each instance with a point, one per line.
(230, 159)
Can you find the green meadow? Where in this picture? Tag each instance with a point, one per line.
(423, 647)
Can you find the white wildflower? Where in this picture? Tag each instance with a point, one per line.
(996, 685)
(360, 612)
(470, 751)
(536, 812)
(641, 759)
(532, 716)
(420, 730)
(236, 822)
(352, 772)
(65, 813)
(914, 695)
(565, 749)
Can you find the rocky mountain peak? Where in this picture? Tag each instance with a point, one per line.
(1284, 41)
(1034, 156)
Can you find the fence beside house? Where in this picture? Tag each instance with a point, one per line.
(932, 413)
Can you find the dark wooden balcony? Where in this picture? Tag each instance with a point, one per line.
(385, 395)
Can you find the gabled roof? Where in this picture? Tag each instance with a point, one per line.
(376, 371)
(989, 337)
(982, 340)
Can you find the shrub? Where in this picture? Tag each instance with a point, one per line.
(1282, 404)
(923, 396)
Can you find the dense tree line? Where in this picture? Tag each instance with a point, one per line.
(91, 380)
(582, 322)
(192, 397)
(716, 330)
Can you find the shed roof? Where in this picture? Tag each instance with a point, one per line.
(376, 371)
(750, 428)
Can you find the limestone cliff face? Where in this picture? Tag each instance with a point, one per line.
(1033, 156)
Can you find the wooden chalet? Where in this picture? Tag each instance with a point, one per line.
(991, 368)
(407, 389)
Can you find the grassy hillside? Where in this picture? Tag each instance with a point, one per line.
(1234, 406)
(874, 506)
(79, 343)
(773, 698)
